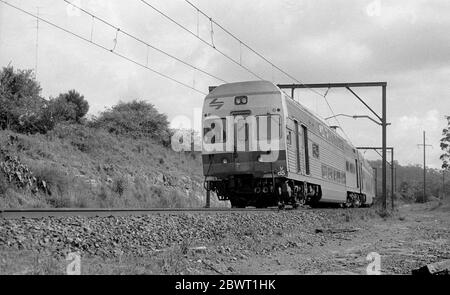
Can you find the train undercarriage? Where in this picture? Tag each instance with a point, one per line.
(246, 190)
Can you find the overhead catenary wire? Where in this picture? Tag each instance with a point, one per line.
(248, 47)
(242, 43)
(238, 62)
(201, 39)
(144, 42)
(102, 47)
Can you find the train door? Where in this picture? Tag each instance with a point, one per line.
(297, 144)
(241, 140)
(363, 178)
(306, 148)
(358, 176)
(292, 150)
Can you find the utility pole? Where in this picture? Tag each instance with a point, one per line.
(443, 183)
(37, 43)
(424, 166)
(424, 169)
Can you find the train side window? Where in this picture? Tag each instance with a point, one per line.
(324, 172)
(315, 150)
(321, 131)
(289, 137)
(352, 168)
(306, 147)
(330, 173)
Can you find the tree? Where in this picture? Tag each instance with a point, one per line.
(19, 83)
(135, 118)
(21, 106)
(62, 110)
(70, 106)
(445, 145)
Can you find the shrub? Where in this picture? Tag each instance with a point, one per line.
(57, 183)
(18, 83)
(119, 185)
(3, 184)
(79, 136)
(70, 106)
(62, 201)
(62, 110)
(136, 118)
(37, 121)
(22, 109)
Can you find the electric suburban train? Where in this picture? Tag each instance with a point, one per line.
(258, 143)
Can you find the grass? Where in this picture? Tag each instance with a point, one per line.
(86, 167)
(174, 260)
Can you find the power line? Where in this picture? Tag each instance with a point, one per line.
(37, 44)
(248, 47)
(242, 43)
(201, 39)
(102, 47)
(142, 41)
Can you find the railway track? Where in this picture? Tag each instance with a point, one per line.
(99, 212)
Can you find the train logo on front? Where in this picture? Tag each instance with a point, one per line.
(216, 104)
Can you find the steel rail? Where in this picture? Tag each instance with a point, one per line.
(105, 212)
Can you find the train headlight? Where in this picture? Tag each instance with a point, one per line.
(240, 100)
(225, 160)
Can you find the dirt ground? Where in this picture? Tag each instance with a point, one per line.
(415, 235)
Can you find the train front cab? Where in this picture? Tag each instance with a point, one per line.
(243, 155)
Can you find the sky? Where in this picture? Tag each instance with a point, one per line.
(405, 43)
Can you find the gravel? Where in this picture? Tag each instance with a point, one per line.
(143, 235)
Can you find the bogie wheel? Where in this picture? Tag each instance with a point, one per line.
(357, 202)
(348, 203)
(301, 201)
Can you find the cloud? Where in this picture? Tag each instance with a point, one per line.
(408, 132)
(430, 121)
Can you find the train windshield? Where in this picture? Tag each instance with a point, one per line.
(244, 132)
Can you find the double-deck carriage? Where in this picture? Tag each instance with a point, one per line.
(258, 143)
